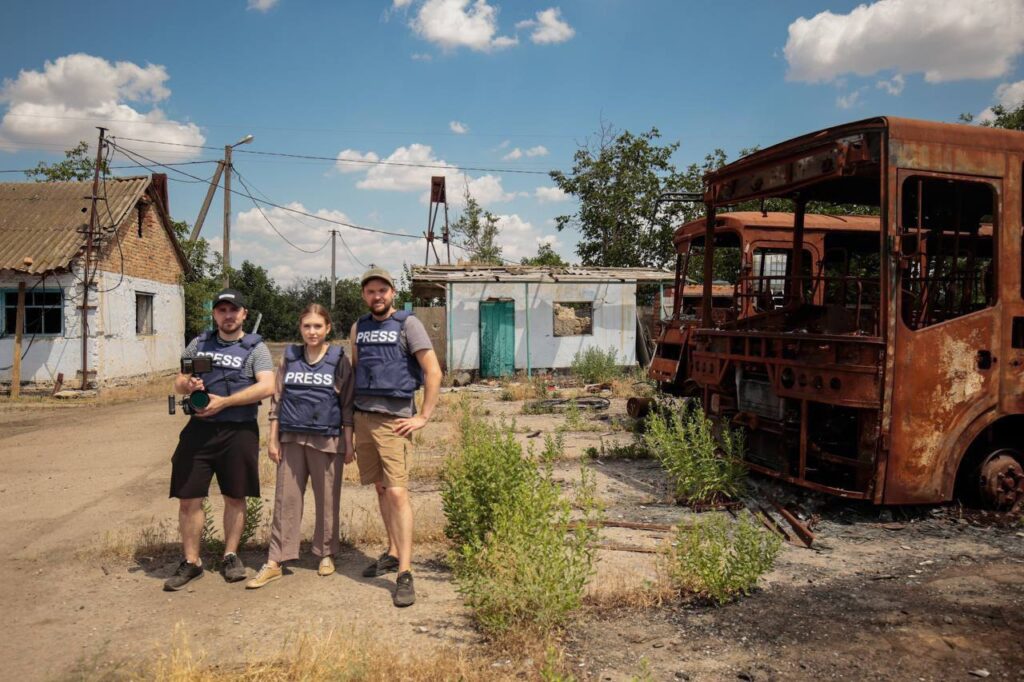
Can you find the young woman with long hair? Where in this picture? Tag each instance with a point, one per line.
(310, 439)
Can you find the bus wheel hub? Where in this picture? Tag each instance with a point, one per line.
(1002, 481)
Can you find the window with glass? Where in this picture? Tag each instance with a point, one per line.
(143, 313)
(44, 311)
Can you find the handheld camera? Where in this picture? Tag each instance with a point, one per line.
(196, 400)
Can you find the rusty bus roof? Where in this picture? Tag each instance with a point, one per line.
(838, 150)
(755, 220)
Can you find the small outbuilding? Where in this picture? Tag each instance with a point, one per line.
(496, 320)
(134, 311)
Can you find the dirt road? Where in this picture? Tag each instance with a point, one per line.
(77, 480)
(905, 594)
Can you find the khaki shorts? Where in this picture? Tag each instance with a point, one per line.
(382, 455)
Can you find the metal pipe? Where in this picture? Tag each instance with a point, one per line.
(449, 314)
(709, 254)
(529, 369)
(214, 184)
(19, 330)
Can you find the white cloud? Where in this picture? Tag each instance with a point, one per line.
(849, 100)
(944, 40)
(355, 161)
(63, 104)
(254, 240)
(548, 27)
(261, 5)
(504, 144)
(894, 86)
(458, 127)
(452, 24)
(421, 57)
(518, 238)
(517, 153)
(409, 169)
(550, 195)
(1009, 95)
(401, 4)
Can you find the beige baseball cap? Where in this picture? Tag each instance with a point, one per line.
(377, 273)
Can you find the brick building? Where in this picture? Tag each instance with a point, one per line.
(136, 308)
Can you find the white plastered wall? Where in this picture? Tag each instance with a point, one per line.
(614, 321)
(115, 351)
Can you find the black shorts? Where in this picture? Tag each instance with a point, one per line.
(231, 450)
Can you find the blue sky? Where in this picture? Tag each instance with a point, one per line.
(493, 84)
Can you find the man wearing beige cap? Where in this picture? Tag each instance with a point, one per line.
(392, 356)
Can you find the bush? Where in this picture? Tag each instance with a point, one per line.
(489, 469)
(532, 569)
(253, 519)
(704, 469)
(719, 560)
(521, 560)
(594, 365)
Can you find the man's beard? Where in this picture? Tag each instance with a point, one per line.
(229, 327)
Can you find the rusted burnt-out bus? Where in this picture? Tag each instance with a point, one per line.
(902, 376)
(751, 256)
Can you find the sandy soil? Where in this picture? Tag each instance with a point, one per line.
(897, 594)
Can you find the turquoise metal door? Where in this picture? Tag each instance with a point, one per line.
(497, 338)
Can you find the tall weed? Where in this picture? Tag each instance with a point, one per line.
(704, 468)
(522, 557)
(719, 560)
(594, 365)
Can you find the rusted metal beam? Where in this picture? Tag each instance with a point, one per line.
(802, 531)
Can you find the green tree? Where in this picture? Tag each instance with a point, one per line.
(617, 178)
(201, 282)
(476, 231)
(348, 305)
(1011, 118)
(545, 256)
(78, 164)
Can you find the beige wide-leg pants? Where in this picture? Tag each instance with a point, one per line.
(324, 471)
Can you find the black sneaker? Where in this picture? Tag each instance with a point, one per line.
(405, 594)
(184, 574)
(385, 563)
(232, 568)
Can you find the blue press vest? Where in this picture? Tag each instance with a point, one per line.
(308, 401)
(383, 368)
(226, 376)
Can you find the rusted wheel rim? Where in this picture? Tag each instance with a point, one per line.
(1002, 480)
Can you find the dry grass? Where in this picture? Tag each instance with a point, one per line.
(628, 591)
(127, 544)
(362, 526)
(333, 656)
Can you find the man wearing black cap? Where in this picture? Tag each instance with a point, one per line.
(223, 438)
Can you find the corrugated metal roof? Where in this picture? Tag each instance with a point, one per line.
(46, 221)
(527, 273)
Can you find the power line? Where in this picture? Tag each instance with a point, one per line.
(180, 163)
(130, 154)
(335, 159)
(272, 226)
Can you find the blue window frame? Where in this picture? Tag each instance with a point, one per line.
(44, 311)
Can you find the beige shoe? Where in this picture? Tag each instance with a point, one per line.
(266, 575)
(326, 566)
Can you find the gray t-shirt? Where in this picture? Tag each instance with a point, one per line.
(259, 359)
(413, 338)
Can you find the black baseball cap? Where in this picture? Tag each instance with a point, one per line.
(232, 296)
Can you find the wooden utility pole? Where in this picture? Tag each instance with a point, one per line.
(88, 273)
(334, 279)
(227, 214)
(19, 331)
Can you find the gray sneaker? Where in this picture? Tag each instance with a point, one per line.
(183, 575)
(385, 563)
(232, 568)
(405, 594)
